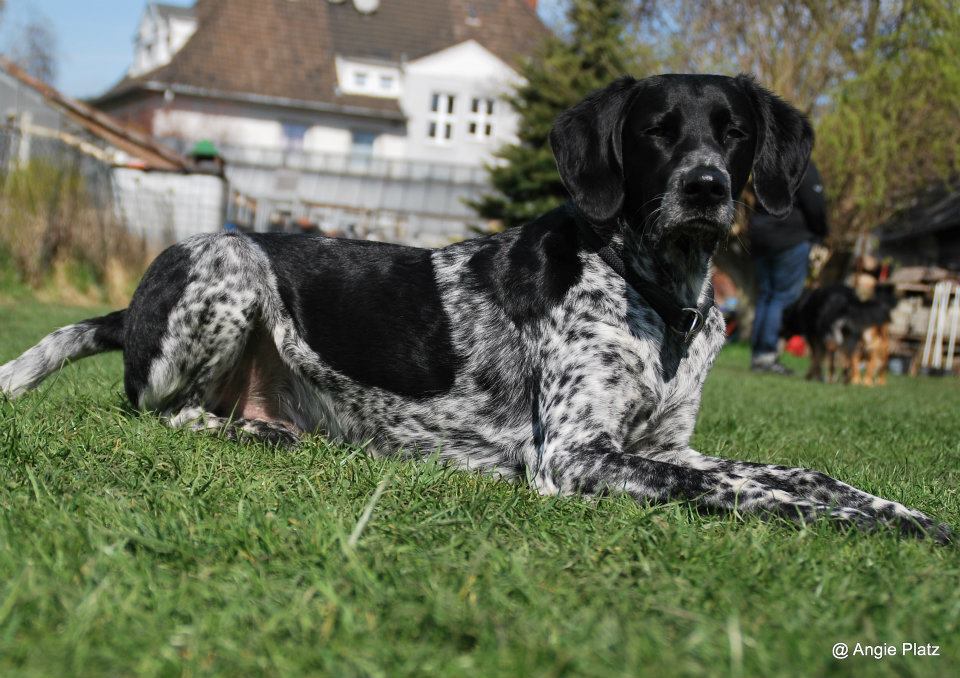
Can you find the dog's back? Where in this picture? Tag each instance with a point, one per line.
(861, 316)
(815, 314)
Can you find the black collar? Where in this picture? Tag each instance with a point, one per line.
(683, 320)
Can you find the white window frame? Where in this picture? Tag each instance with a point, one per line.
(375, 79)
(441, 122)
(480, 121)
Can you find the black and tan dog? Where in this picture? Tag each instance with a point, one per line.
(844, 331)
(571, 351)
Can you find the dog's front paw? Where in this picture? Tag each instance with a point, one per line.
(916, 524)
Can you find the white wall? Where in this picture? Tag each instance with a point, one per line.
(158, 38)
(180, 31)
(166, 207)
(466, 70)
(220, 128)
(390, 146)
(239, 124)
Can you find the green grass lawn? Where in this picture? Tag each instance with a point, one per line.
(126, 548)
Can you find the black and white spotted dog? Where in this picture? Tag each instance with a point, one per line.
(571, 351)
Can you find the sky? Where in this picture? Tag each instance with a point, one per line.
(95, 37)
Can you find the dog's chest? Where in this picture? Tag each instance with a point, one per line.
(648, 379)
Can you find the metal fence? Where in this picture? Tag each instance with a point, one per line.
(354, 164)
(64, 202)
(407, 201)
(161, 207)
(57, 202)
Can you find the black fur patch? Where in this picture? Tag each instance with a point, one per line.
(370, 310)
(108, 330)
(146, 318)
(530, 269)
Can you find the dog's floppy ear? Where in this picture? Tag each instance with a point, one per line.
(588, 146)
(784, 142)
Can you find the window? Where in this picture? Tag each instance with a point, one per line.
(473, 17)
(440, 121)
(293, 135)
(361, 143)
(480, 121)
(368, 79)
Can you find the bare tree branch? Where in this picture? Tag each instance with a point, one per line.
(35, 49)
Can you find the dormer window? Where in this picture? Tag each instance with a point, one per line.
(441, 118)
(480, 120)
(473, 17)
(368, 77)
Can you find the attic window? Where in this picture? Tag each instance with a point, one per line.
(368, 78)
(473, 17)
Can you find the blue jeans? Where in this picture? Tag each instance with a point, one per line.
(780, 278)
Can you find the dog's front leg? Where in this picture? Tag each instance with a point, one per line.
(600, 467)
(817, 488)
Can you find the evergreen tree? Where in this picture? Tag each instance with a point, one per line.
(596, 50)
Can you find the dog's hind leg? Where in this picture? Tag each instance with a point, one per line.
(831, 365)
(190, 348)
(854, 364)
(238, 430)
(877, 345)
(215, 367)
(185, 332)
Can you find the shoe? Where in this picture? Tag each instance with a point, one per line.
(780, 368)
(775, 367)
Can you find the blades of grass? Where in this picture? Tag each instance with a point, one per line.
(367, 513)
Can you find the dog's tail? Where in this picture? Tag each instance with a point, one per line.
(85, 338)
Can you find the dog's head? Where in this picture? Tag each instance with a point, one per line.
(669, 154)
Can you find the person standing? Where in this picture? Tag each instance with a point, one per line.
(781, 253)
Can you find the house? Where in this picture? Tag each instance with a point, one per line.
(927, 233)
(371, 116)
(151, 189)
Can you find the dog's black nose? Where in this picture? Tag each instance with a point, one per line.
(705, 186)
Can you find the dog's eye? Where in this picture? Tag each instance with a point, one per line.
(733, 133)
(657, 131)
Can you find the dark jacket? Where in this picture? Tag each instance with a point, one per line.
(807, 222)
